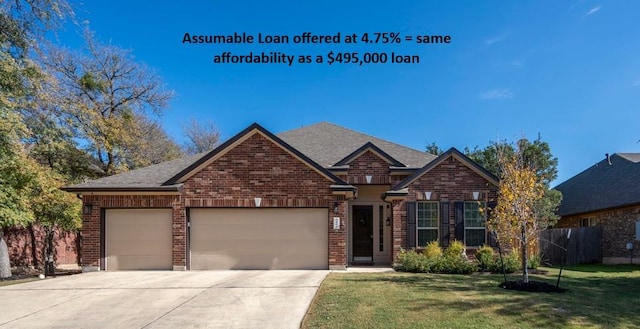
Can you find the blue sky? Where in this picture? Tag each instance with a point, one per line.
(567, 70)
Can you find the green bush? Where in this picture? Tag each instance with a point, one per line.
(411, 261)
(511, 262)
(432, 250)
(456, 248)
(534, 261)
(485, 257)
(454, 265)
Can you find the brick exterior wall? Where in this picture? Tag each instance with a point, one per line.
(618, 228)
(26, 247)
(91, 223)
(450, 181)
(255, 168)
(368, 163)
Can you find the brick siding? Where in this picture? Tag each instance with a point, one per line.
(450, 181)
(618, 228)
(255, 168)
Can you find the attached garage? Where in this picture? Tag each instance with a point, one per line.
(261, 238)
(138, 239)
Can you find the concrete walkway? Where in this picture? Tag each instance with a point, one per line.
(155, 299)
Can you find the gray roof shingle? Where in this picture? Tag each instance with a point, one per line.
(147, 177)
(327, 143)
(324, 143)
(602, 186)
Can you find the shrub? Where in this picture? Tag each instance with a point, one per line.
(534, 261)
(456, 248)
(485, 257)
(454, 265)
(432, 250)
(411, 261)
(511, 262)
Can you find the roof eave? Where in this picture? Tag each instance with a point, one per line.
(177, 188)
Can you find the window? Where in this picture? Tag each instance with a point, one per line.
(427, 222)
(474, 224)
(584, 222)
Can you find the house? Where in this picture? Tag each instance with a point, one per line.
(606, 194)
(317, 197)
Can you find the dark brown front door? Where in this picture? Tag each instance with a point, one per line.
(362, 233)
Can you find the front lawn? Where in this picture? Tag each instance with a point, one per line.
(598, 297)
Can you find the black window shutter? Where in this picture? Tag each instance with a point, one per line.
(491, 240)
(411, 225)
(459, 216)
(444, 224)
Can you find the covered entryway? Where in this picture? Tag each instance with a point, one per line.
(261, 238)
(138, 239)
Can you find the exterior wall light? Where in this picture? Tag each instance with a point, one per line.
(86, 209)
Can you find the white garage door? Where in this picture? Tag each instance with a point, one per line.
(292, 238)
(138, 239)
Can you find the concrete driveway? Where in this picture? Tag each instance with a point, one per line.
(154, 299)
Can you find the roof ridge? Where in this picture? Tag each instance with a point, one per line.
(352, 130)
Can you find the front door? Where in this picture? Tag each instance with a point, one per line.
(362, 233)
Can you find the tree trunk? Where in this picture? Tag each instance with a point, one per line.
(5, 265)
(525, 271)
(34, 246)
(49, 267)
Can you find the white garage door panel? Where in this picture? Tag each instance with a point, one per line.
(138, 239)
(259, 238)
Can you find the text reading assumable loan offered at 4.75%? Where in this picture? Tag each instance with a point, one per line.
(371, 58)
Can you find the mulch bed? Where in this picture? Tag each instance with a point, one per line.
(531, 286)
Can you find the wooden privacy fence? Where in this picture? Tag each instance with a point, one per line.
(585, 245)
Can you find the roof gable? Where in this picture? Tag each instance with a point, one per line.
(602, 186)
(452, 152)
(239, 139)
(328, 144)
(375, 150)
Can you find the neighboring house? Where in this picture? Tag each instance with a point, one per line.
(318, 197)
(608, 195)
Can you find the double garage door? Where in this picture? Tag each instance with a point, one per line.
(283, 238)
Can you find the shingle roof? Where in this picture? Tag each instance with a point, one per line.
(327, 143)
(148, 177)
(324, 143)
(602, 186)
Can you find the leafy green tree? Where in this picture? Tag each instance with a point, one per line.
(53, 209)
(536, 154)
(23, 24)
(15, 179)
(434, 149)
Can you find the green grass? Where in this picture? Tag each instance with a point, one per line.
(598, 297)
(17, 281)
